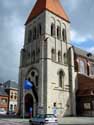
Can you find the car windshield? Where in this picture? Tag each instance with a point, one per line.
(44, 116)
(49, 116)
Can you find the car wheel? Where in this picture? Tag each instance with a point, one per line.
(41, 123)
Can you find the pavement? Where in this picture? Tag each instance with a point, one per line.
(76, 121)
(63, 121)
(20, 120)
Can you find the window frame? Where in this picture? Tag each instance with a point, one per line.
(53, 55)
(59, 57)
(58, 32)
(52, 29)
(61, 79)
(82, 68)
(64, 34)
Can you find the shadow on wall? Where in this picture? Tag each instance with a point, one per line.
(72, 88)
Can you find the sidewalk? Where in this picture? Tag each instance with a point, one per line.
(63, 121)
(76, 121)
(15, 120)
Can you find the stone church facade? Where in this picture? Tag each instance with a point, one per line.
(47, 61)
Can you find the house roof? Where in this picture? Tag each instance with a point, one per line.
(2, 92)
(83, 53)
(11, 84)
(53, 6)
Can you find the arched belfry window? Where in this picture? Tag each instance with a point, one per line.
(58, 32)
(52, 29)
(29, 36)
(53, 54)
(39, 30)
(64, 36)
(34, 33)
(65, 58)
(36, 80)
(59, 56)
(61, 79)
(82, 66)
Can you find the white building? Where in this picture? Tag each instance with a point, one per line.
(44, 61)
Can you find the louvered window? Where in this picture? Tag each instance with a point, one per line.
(58, 32)
(52, 29)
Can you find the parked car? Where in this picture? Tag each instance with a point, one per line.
(2, 112)
(11, 113)
(44, 119)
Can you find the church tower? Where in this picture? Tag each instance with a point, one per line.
(44, 60)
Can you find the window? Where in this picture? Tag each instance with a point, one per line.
(32, 74)
(59, 56)
(11, 107)
(37, 80)
(29, 36)
(81, 66)
(15, 107)
(34, 33)
(12, 95)
(93, 104)
(92, 69)
(64, 35)
(65, 58)
(52, 29)
(53, 54)
(15, 96)
(58, 32)
(54, 104)
(28, 54)
(38, 55)
(33, 56)
(87, 106)
(3, 101)
(61, 79)
(39, 31)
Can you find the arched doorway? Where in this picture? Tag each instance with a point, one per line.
(32, 95)
(28, 103)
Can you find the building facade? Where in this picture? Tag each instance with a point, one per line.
(84, 67)
(9, 96)
(49, 62)
(11, 87)
(3, 99)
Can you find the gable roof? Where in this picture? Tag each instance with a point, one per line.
(11, 85)
(83, 53)
(53, 6)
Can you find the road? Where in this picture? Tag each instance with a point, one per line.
(7, 122)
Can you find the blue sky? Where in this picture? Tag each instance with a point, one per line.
(13, 14)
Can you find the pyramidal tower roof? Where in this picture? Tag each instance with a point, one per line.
(54, 6)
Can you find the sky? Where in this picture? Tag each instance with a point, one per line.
(13, 14)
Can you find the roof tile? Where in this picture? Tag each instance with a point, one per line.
(53, 6)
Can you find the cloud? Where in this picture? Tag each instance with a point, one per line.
(12, 38)
(13, 15)
(91, 49)
(78, 38)
(71, 5)
(81, 16)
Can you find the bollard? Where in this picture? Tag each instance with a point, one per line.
(30, 122)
